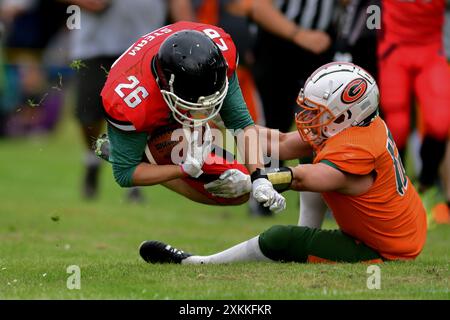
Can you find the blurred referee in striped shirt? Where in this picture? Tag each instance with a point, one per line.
(294, 38)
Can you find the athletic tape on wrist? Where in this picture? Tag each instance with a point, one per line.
(280, 178)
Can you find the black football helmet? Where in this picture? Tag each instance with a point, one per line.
(191, 73)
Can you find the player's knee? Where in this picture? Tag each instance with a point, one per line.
(276, 241)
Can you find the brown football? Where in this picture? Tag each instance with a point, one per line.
(160, 145)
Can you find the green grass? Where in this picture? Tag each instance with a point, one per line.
(45, 227)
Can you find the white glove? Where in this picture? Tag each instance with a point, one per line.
(232, 183)
(264, 192)
(197, 152)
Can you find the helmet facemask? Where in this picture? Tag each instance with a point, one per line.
(311, 120)
(194, 113)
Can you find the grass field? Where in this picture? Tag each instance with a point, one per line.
(46, 227)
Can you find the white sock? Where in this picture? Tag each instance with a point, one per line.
(245, 251)
(312, 210)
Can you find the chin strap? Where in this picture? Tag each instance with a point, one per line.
(281, 178)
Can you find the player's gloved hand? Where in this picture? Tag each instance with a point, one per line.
(232, 183)
(264, 192)
(197, 151)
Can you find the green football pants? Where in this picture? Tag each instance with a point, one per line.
(302, 244)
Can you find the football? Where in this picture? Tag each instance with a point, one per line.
(160, 145)
(162, 141)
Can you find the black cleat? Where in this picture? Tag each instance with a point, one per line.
(159, 252)
(102, 147)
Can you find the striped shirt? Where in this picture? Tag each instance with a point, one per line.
(273, 51)
(308, 14)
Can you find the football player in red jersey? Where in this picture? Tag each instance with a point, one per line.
(168, 77)
(412, 61)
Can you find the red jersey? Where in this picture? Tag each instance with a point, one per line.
(131, 97)
(413, 21)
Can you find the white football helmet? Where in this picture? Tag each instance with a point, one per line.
(336, 96)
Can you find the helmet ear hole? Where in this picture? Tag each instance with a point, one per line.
(340, 119)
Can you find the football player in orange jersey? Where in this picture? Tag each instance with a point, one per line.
(356, 168)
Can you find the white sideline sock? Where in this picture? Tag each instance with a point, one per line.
(245, 251)
(312, 210)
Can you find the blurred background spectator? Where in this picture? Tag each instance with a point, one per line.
(26, 106)
(442, 214)
(413, 68)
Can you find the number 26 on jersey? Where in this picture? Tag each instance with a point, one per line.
(134, 97)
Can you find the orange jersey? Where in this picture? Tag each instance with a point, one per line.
(389, 217)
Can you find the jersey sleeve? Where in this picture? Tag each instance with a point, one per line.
(352, 159)
(234, 112)
(126, 150)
